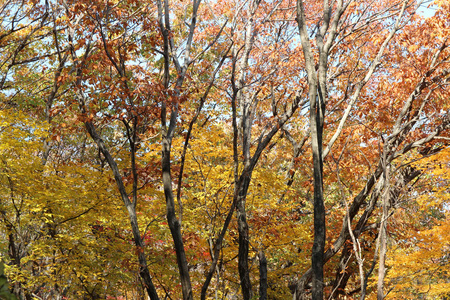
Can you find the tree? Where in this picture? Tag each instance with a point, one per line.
(333, 25)
(223, 149)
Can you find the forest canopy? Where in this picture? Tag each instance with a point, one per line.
(247, 149)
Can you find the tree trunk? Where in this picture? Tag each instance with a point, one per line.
(383, 233)
(143, 270)
(317, 259)
(174, 224)
(262, 275)
(244, 275)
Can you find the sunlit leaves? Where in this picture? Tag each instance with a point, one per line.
(101, 62)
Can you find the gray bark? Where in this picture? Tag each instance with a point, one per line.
(318, 94)
(168, 130)
(262, 275)
(143, 269)
(318, 97)
(383, 230)
(130, 206)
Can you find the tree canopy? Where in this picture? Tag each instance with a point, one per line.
(246, 149)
